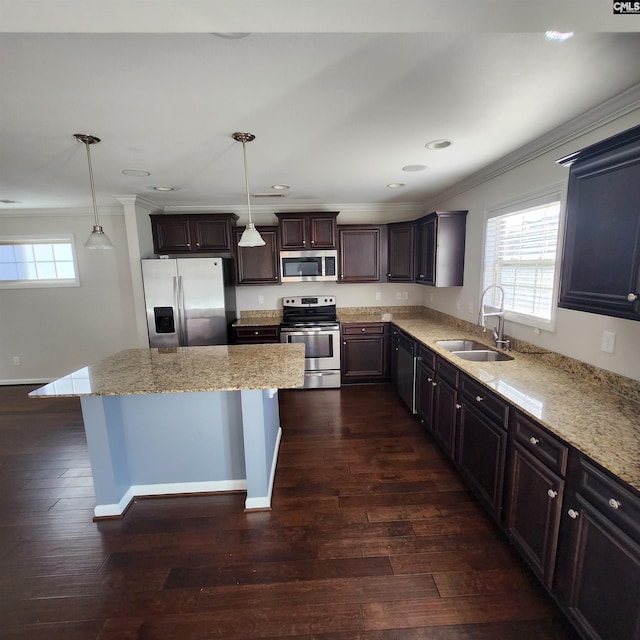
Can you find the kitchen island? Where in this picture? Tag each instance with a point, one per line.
(183, 420)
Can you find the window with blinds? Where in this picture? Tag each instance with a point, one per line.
(37, 262)
(520, 255)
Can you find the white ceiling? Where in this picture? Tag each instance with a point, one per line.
(336, 114)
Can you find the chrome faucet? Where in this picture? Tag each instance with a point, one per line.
(498, 330)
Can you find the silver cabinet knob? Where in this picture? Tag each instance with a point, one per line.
(388, 275)
(479, 398)
(533, 440)
(614, 504)
(632, 297)
(429, 379)
(434, 384)
(573, 514)
(551, 493)
(363, 329)
(458, 406)
(256, 333)
(345, 342)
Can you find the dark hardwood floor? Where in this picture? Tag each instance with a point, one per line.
(372, 537)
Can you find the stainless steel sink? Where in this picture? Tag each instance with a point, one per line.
(461, 345)
(482, 355)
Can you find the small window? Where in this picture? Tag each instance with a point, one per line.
(520, 255)
(37, 262)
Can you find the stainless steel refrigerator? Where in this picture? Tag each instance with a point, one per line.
(190, 301)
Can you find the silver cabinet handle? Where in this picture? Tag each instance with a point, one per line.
(533, 440)
(479, 398)
(614, 504)
(551, 493)
(632, 297)
(573, 514)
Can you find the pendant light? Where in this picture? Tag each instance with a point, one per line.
(98, 239)
(250, 236)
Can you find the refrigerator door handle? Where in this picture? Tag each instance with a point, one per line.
(179, 299)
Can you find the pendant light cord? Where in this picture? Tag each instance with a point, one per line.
(93, 189)
(246, 177)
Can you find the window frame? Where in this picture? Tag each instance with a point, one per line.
(31, 239)
(554, 193)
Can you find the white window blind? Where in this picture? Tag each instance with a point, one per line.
(41, 262)
(520, 256)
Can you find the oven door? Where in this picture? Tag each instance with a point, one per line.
(322, 346)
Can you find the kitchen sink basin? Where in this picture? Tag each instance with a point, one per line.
(482, 355)
(461, 345)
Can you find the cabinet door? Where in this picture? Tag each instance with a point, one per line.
(258, 265)
(601, 263)
(360, 249)
(401, 253)
(534, 506)
(601, 590)
(364, 358)
(322, 230)
(171, 234)
(212, 234)
(426, 251)
(406, 375)
(424, 394)
(445, 416)
(293, 233)
(481, 455)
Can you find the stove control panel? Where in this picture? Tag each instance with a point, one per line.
(308, 301)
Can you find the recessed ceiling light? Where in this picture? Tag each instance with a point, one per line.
(396, 185)
(434, 145)
(164, 188)
(414, 167)
(280, 187)
(558, 36)
(137, 173)
(231, 36)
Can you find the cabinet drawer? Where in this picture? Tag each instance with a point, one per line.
(539, 442)
(484, 400)
(609, 497)
(366, 328)
(257, 334)
(447, 371)
(427, 357)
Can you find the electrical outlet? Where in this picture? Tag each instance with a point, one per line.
(608, 341)
(398, 295)
(16, 359)
(378, 295)
(260, 299)
(405, 295)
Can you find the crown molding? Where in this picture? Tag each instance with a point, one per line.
(139, 203)
(67, 212)
(609, 111)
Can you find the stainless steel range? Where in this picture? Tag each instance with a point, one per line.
(312, 321)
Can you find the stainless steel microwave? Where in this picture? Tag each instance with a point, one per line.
(309, 266)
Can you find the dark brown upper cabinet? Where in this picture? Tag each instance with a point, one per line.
(362, 251)
(440, 242)
(601, 259)
(307, 230)
(193, 233)
(258, 265)
(401, 247)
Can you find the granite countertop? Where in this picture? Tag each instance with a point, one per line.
(603, 425)
(185, 369)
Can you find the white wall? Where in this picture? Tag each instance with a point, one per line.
(576, 334)
(57, 330)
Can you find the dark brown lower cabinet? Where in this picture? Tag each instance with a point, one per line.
(598, 571)
(257, 334)
(445, 407)
(481, 454)
(425, 387)
(534, 497)
(365, 352)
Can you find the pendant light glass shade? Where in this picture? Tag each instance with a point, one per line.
(250, 236)
(98, 239)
